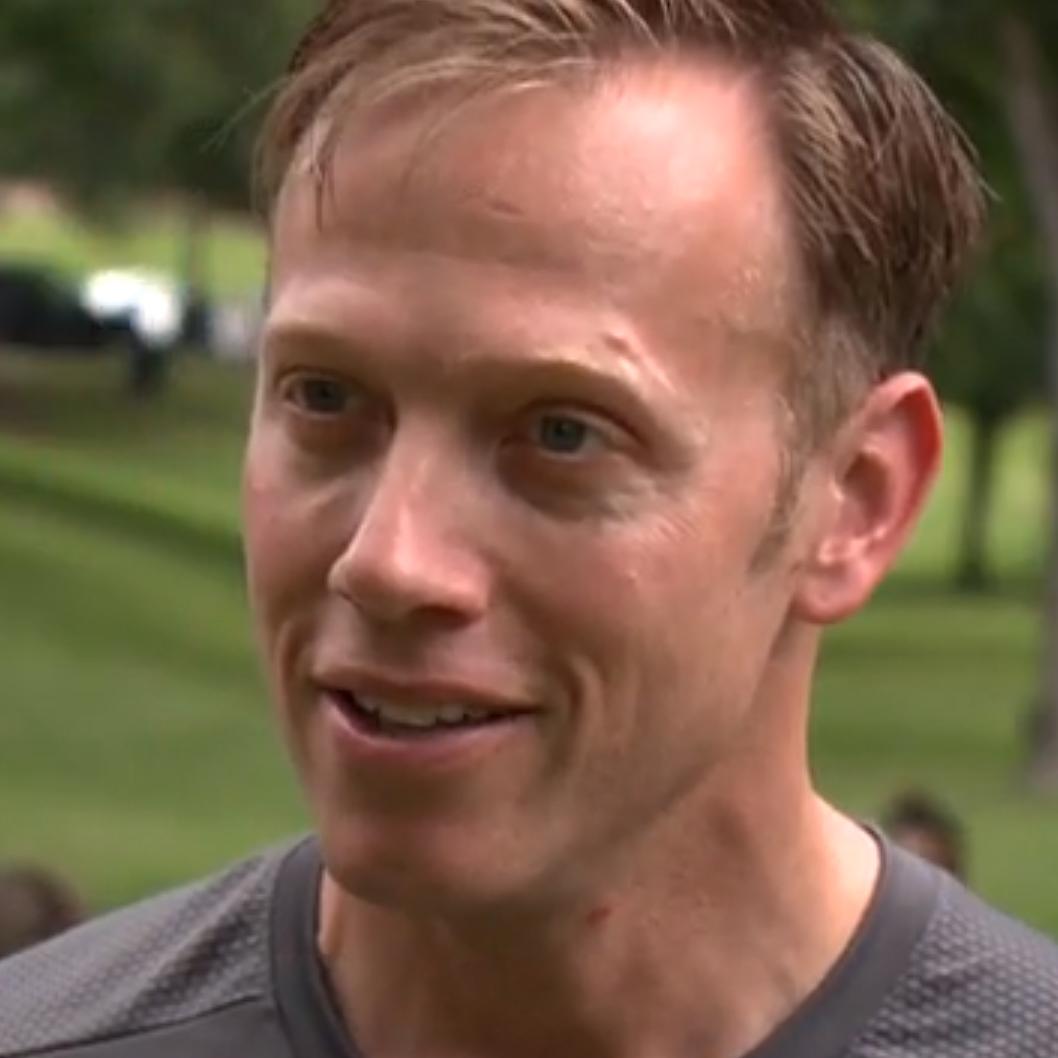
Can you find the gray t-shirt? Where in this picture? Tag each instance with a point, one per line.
(229, 967)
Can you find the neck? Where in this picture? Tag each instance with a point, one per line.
(705, 959)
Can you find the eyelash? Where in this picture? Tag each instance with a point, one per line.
(594, 431)
(291, 385)
(591, 430)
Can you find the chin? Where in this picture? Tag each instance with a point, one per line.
(438, 875)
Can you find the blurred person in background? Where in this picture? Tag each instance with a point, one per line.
(36, 904)
(924, 825)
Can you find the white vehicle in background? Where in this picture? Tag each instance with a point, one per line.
(151, 302)
(236, 329)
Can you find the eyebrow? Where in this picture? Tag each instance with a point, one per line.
(611, 366)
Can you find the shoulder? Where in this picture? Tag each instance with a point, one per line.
(174, 958)
(979, 984)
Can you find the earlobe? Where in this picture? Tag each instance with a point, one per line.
(884, 465)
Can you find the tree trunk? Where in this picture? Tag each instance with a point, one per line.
(195, 332)
(972, 573)
(193, 245)
(1035, 130)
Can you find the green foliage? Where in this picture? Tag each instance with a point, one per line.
(991, 358)
(109, 99)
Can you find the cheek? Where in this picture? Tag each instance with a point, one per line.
(660, 676)
(683, 585)
(670, 604)
(289, 549)
(267, 530)
(634, 599)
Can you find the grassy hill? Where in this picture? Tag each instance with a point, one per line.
(233, 257)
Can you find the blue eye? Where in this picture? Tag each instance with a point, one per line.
(563, 434)
(320, 396)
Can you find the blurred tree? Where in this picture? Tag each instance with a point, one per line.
(990, 361)
(1028, 33)
(79, 95)
(989, 58)
(109, 101)
(112, 104)
(219, 71)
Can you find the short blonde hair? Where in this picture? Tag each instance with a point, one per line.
(883, 189)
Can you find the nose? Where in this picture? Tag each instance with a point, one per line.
(411, 556)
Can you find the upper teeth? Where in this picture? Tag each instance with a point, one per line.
(421, 715)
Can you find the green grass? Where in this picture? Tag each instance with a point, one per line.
(928, 690)
(233, 260)
(78, 410)
(1017, 530)
(136, 747)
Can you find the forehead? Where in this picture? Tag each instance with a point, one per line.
(654, 187)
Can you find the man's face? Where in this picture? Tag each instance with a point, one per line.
(515, 448)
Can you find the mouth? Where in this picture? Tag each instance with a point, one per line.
(406, 721)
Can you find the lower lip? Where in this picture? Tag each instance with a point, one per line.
(435, 750)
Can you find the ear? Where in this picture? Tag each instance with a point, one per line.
(878, 478)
